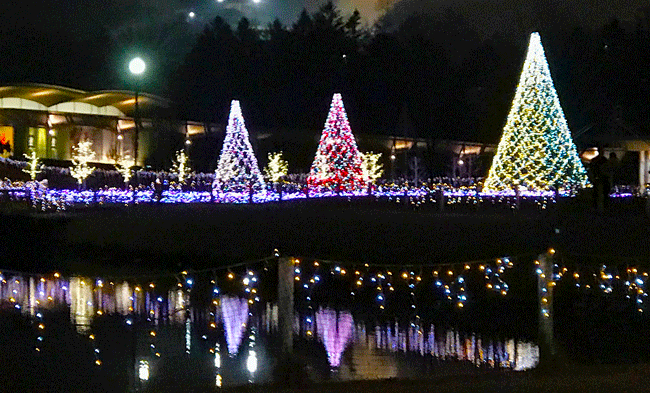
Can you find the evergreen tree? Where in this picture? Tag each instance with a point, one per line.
(237, 169)
(536, 151)
(338, 163)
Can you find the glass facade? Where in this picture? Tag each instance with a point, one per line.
(43, 142)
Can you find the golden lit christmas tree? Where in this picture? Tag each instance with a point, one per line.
(536, 151)
(33, 165)
(277, 168)
(82, 154)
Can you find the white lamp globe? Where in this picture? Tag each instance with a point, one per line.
(137, 66)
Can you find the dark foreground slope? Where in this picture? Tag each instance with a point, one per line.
(198, 236)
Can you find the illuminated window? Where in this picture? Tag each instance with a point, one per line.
(38, 141)
(30, 141)
(6, 141)
(53, 152)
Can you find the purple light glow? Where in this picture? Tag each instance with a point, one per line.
(235, 316)
(61, 199)
(334, 332)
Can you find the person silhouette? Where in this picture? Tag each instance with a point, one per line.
(602, 172)
(157, 189)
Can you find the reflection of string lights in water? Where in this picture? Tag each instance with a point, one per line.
(188, 335)
(217, 365)
(143, 370)
(219, 381)
(251, 362)
(81, 303)
(217, 356)
(123, 298)
(89, 298)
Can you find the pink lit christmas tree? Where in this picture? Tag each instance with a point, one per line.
(338, 164)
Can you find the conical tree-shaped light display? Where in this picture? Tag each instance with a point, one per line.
(536, 151)
(237, 169)
(338, 164)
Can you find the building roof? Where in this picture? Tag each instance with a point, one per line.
(120, 103)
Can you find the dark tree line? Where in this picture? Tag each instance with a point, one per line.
(454, 81)
(448, 70)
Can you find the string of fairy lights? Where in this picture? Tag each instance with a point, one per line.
(37, 293)
(618, 278)
(451, 283)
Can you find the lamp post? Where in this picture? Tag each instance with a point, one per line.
(137, 67)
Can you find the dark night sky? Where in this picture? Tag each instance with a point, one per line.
(162, 31)
(85, 16)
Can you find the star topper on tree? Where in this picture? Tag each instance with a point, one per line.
(338, 163)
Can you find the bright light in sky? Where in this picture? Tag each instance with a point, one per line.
(137, 66)
(192, 15)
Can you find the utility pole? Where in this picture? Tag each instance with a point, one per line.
(545, 286)
(285, 304)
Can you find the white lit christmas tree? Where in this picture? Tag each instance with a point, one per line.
(338, 165)
(123, 165)
(372, 167)
(180, 166)
(277, 168)
(536, 151)
(237, 169)
(81, 156)
(33, 165)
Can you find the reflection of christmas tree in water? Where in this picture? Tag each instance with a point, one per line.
(335, 331)
(338, 163)
(235, 315)
(536, 151)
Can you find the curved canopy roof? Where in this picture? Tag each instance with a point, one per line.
(119, 103)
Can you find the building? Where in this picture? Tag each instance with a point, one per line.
(50, 120)
(626, 145)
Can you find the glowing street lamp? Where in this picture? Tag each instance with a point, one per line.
(137, 67)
